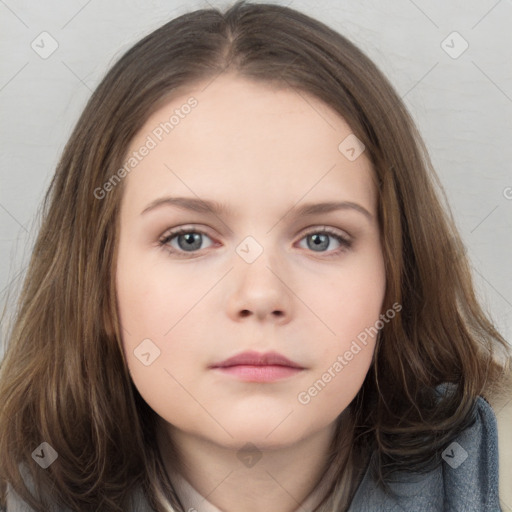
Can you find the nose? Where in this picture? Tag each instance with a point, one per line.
(259, 289)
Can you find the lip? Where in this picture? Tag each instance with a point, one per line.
(256, 367)
(252, 358)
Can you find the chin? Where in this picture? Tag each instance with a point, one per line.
(264, 433)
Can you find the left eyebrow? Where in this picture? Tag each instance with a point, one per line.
(216, 208)
(316, 208)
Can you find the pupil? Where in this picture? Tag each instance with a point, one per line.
(317, 241)
(193, 241)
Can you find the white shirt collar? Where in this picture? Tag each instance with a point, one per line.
(192, 501)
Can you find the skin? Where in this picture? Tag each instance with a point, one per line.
(261, 151)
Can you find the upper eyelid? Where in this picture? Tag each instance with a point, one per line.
(332, 231)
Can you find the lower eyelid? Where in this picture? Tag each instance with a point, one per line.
(344, 241)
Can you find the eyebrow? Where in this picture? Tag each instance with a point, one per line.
(216, 208)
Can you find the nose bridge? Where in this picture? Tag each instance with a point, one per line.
(260, 278)
(257, 263)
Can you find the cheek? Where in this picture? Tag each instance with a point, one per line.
(350, 299)
(350, 306)
(154, 297)
(158, 334)
(147, 313)
(342, 367)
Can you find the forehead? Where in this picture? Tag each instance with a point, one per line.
(244, 140)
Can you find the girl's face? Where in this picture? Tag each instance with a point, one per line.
(254, 269)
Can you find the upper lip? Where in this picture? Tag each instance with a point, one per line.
(257, 359)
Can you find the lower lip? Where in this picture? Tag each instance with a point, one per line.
(250, 373)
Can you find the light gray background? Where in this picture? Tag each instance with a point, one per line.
(462, 106)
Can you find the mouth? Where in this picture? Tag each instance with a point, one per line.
(255, 367)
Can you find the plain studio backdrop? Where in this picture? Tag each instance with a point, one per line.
(449, 61)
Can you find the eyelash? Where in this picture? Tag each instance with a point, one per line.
(345, 243)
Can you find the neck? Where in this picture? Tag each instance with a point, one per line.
(283, 478)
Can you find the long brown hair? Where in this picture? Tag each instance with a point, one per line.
(64, 379)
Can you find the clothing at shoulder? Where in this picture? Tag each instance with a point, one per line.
(467, 480)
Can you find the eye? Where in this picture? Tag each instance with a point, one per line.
(183, 240)
(319, 240)
(187, 241)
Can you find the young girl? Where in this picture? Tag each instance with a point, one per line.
(246, 293)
